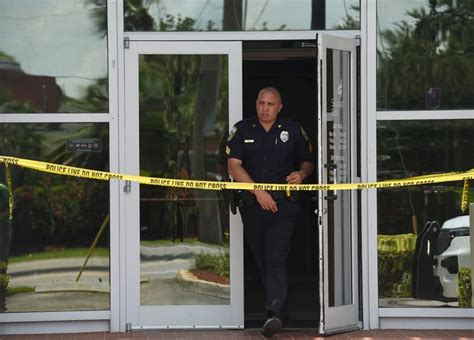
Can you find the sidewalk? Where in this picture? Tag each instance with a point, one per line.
(254, 334)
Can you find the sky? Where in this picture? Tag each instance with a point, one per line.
(54, 38)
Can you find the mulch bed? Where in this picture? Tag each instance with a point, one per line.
(211, 277)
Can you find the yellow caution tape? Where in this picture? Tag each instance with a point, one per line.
(215, 185)
(465, 196)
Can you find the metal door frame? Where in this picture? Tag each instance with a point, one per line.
(176, 316)
(344, 317)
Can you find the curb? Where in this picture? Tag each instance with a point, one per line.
(88, 287)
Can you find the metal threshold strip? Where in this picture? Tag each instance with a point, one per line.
(138, 328)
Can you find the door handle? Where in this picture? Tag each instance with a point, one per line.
(127, 187)
(332, 167)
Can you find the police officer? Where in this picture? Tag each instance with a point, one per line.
(269, 149)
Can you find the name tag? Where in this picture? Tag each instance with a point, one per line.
(248, 141)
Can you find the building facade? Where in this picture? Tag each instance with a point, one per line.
(152, 88)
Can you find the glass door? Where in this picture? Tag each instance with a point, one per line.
(184, 257)
(337, 164)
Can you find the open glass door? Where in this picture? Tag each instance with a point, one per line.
(337, 164)
(184, 257)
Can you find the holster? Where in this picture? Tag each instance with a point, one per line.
(232, 201)
(239, 199)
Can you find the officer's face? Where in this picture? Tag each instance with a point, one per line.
(268, 107)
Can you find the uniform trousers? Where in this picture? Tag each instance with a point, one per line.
(269, 236)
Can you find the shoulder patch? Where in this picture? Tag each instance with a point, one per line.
(232, 133)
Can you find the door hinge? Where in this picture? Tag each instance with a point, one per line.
(358, 40)
(126, 42)
(127, 187)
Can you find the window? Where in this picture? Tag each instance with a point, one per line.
(55, 220)
(423, 235)
(424, 55)
(241, 15)
(53, 56)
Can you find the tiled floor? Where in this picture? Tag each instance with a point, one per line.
(254, 334)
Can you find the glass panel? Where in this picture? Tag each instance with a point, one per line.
(424, 55)
(338, 168)
(53, 56)
(239, 15)
(423, 236)
(55, 221)
(184, 233)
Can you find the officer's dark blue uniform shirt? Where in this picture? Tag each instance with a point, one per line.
(268, 157)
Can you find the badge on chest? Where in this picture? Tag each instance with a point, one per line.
(284, 136)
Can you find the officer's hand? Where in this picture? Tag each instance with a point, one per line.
(296, 177)
(265, 200)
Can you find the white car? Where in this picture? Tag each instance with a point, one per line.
(453, 249)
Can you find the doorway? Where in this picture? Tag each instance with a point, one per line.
(291, 67)
(173, 128)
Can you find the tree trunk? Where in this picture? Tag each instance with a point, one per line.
(210, 224)
(233, 16)
(318, 14)
(209, 227)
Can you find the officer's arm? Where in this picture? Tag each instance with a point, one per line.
(303, 155)
(297, 177)
(239, 174)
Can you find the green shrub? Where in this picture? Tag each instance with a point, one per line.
(464, 287)
(58, 211)
(4, 280)
(395, 264)
(218, 264)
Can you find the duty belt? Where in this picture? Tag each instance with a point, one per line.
(241, 198)
(280, 195)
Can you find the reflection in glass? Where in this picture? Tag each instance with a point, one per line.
(241, 15)
(419, 225)
(53, 56)
(424, 55)
(55, 220)
(338, 168)
(184, 233)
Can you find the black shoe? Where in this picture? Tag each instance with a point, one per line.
(271, 327)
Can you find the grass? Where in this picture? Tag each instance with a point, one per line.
(186, 241)
(58, 253)
(20, 289)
